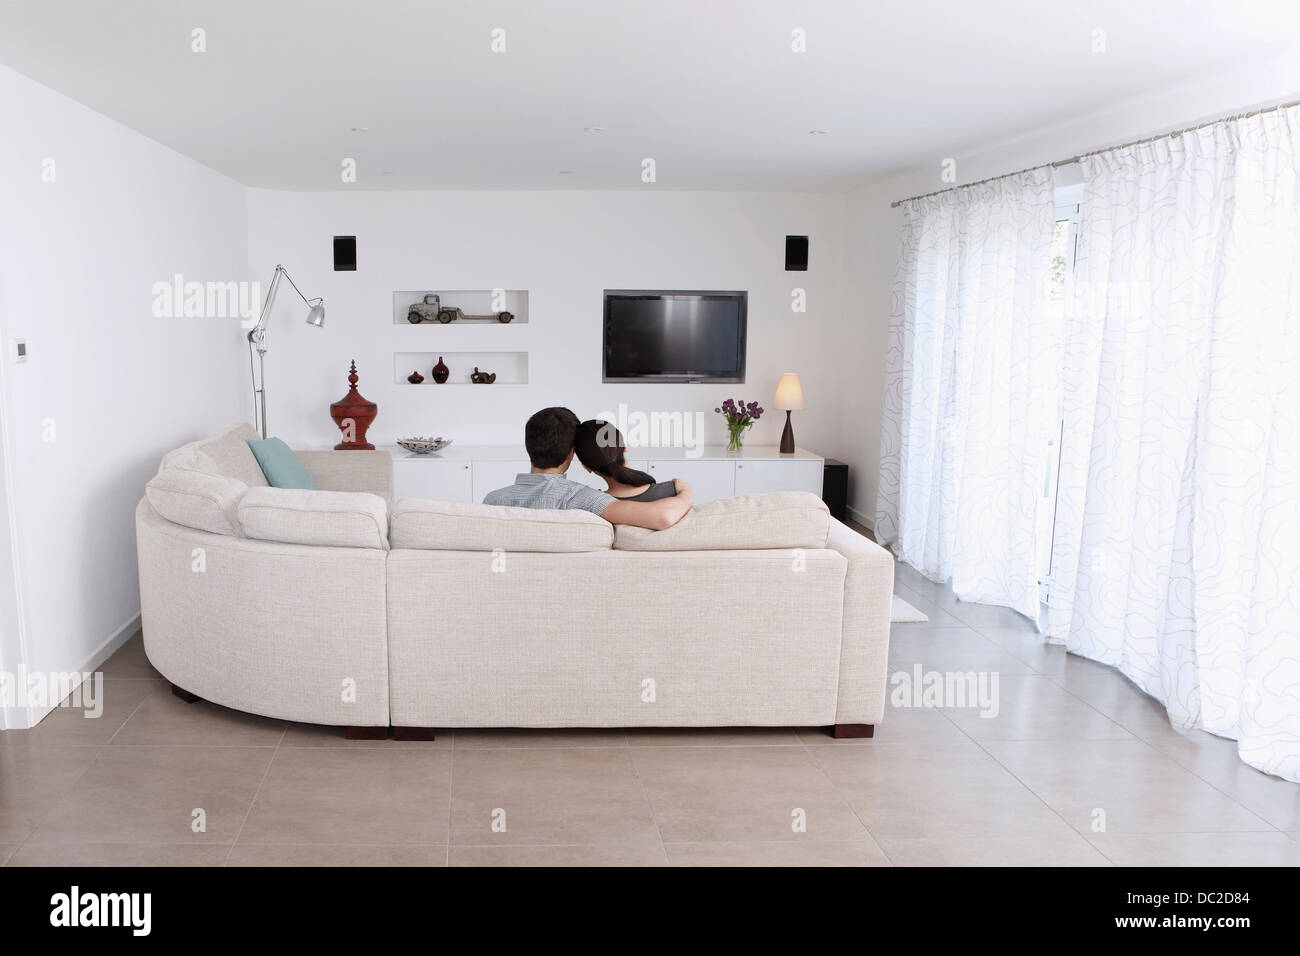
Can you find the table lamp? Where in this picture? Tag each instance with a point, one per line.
(789, 396)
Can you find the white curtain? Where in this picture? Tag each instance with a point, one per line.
(972, 351)
(1177, 549)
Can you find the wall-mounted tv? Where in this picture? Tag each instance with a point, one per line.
(674, 336)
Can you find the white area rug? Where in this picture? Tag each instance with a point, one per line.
(900, 612)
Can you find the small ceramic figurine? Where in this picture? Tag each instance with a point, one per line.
(482, 378)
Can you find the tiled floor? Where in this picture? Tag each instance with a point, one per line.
(1077, 768)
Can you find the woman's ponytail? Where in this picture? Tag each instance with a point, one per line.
(599, 447)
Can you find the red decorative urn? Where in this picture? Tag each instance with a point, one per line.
(353, 414)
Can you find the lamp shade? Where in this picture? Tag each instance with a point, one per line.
(789, 394)
(316, 316)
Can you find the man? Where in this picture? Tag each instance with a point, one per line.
(549, 437)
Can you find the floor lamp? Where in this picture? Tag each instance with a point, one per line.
(257, 341)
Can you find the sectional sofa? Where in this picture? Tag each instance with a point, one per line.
(342, 607)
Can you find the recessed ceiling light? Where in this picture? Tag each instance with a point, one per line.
(361, 129)
(566, 172)
(593, 129)
(817, 132)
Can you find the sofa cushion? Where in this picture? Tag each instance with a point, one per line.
(340, 519)
(784, 519)
(457, 526)
(279, 464)
(197, 500)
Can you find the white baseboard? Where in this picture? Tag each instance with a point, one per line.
(93, 662)
(868, 522)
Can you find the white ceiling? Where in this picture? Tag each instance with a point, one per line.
(710, 89)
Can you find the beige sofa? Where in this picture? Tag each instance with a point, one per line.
(340, 607)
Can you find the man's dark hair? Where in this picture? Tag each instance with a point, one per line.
(549, 435)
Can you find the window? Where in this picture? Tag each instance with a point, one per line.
(1065, 238)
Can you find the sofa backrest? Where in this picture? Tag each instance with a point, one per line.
(226, 454)
(338, 519)
(422, 524)
(784, 520)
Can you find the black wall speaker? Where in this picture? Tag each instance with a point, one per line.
(796, 253)
(345, 253)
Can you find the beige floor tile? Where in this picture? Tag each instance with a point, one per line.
(1056, 850)
(149, 795)
(988, 615)
(68, 726)
(948, 648)
(1027, 645)
(1198, 849)
(942, 791)
(247, 854)
(129, 661)
(914, 725)
(32, 779)
(859, 851)
(1216, 761)
(320, 735)
(742, 794)
(5, 853)
(1138, 789)
(528, 738)
(1110, 692)
(641, 854)
(120, 854)
(329, 796)
(1035, 708)
(549, 796)
(941, 598)
(919, 598)
(163, 719)
(713, 737)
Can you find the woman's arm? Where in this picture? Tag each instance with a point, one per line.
(654, 515)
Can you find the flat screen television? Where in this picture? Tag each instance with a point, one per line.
(674, 336)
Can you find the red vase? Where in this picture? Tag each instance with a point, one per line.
(440, 371)
(353, 415)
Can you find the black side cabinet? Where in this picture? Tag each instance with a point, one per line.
(835, 489)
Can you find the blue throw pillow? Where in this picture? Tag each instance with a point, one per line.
(280, 465)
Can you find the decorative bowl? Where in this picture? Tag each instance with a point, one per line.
(422, 446)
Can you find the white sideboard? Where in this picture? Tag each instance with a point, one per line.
(468, 472)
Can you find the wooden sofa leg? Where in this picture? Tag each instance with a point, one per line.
(413, 733)
(842, 731)
(367, 733)
(185, 695)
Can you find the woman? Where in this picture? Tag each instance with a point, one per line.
(600, 448)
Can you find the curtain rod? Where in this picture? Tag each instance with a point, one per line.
(1097, 152)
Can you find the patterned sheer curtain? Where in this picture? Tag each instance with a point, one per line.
(1177, 549)
(973, 352)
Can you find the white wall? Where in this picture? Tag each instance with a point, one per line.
(872, 227)
(565, 248)
(116, 386)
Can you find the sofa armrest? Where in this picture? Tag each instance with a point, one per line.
(370, 471)
(864, 649)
